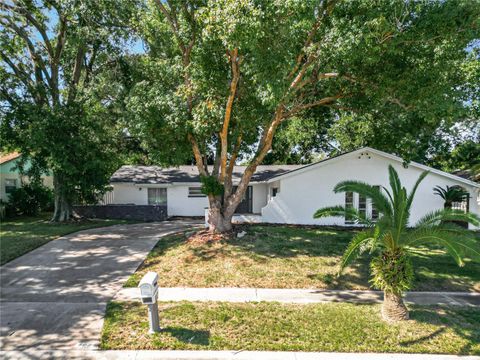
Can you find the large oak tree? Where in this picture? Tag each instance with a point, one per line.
(57, 62)
(220, 77)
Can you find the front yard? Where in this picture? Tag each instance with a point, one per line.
(272, 326)
(23, 234)
(289, 257)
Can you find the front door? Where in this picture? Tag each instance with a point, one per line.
(246, 206)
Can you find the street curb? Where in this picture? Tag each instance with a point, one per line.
(301, 296)
(217, 355)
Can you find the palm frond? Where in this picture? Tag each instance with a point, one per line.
(355, 248)
(341, 211)
(451, 193)
(459, 244)
(442, 215)
(388, 194)
(401, 214)
(367, 190)
(438, 190)
(395, 183)
(327, 211)
(415, 187)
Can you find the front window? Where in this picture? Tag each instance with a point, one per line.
(362, 205)
(195, 192)
(157, 196)
(10, 185)
(349, 205)
(374, 208)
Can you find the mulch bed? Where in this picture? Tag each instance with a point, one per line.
(206, 236)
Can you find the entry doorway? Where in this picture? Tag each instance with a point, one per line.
(246, 206)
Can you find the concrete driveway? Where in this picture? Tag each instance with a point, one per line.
(55, 296)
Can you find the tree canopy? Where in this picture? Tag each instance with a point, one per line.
(223, 82)
(221, 77)
(57, 65)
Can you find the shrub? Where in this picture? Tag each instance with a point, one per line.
(30, 199)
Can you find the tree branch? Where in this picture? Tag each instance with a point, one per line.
(234, 59)
(171, 18)
(40, 28)
(77, 72)
(36, 59)
(203, 170)
(324, 101)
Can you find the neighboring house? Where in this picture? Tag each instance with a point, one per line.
(10, 177)
(289, 193)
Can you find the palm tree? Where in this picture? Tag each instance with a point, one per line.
(391, 241)
(450, 194)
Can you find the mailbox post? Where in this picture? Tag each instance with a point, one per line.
(149, 293)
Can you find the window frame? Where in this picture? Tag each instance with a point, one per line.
(368, 209)
(349, 205)
(10, 188)
(196, 195)
(373, 209)
(275, 191)
(158, 195)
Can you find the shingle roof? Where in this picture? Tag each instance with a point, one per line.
(189, 173)
(8, 157)
(466, 174)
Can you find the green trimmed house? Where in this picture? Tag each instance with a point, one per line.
(10, 177)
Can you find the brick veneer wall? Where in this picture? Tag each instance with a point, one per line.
(127, 212)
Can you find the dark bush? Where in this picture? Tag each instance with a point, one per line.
(30, 199)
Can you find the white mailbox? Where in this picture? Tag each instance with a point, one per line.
(149, 288)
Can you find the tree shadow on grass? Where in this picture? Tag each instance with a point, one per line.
(188, 336)
(463, 321)
(424, 338)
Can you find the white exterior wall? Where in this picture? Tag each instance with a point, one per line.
(178, 202)
(305, 191)
(259, 197)
(129, 194)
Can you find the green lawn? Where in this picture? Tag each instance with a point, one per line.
(283, 327)
(289, 257)
(23, 234)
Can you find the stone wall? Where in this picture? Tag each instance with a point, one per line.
(127, 212)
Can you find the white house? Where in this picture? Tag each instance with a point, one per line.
(290, 193)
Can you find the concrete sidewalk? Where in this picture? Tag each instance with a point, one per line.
(219, 355)
(300, 296)
(54, 297)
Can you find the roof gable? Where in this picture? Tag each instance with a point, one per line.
(4, 158)
(377, 152)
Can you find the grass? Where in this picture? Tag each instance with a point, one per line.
(23, 234)
(284, 327)
(289, 257)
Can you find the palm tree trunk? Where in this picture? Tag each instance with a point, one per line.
(393, 308)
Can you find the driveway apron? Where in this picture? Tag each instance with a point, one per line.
(55, 296)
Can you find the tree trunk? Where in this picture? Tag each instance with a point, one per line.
(63, 208)
(219, 219)
(393, 308)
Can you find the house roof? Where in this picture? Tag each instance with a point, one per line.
(189, 174)
(4, 158)
(264, 173)
(466, 174)
(381, 153)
